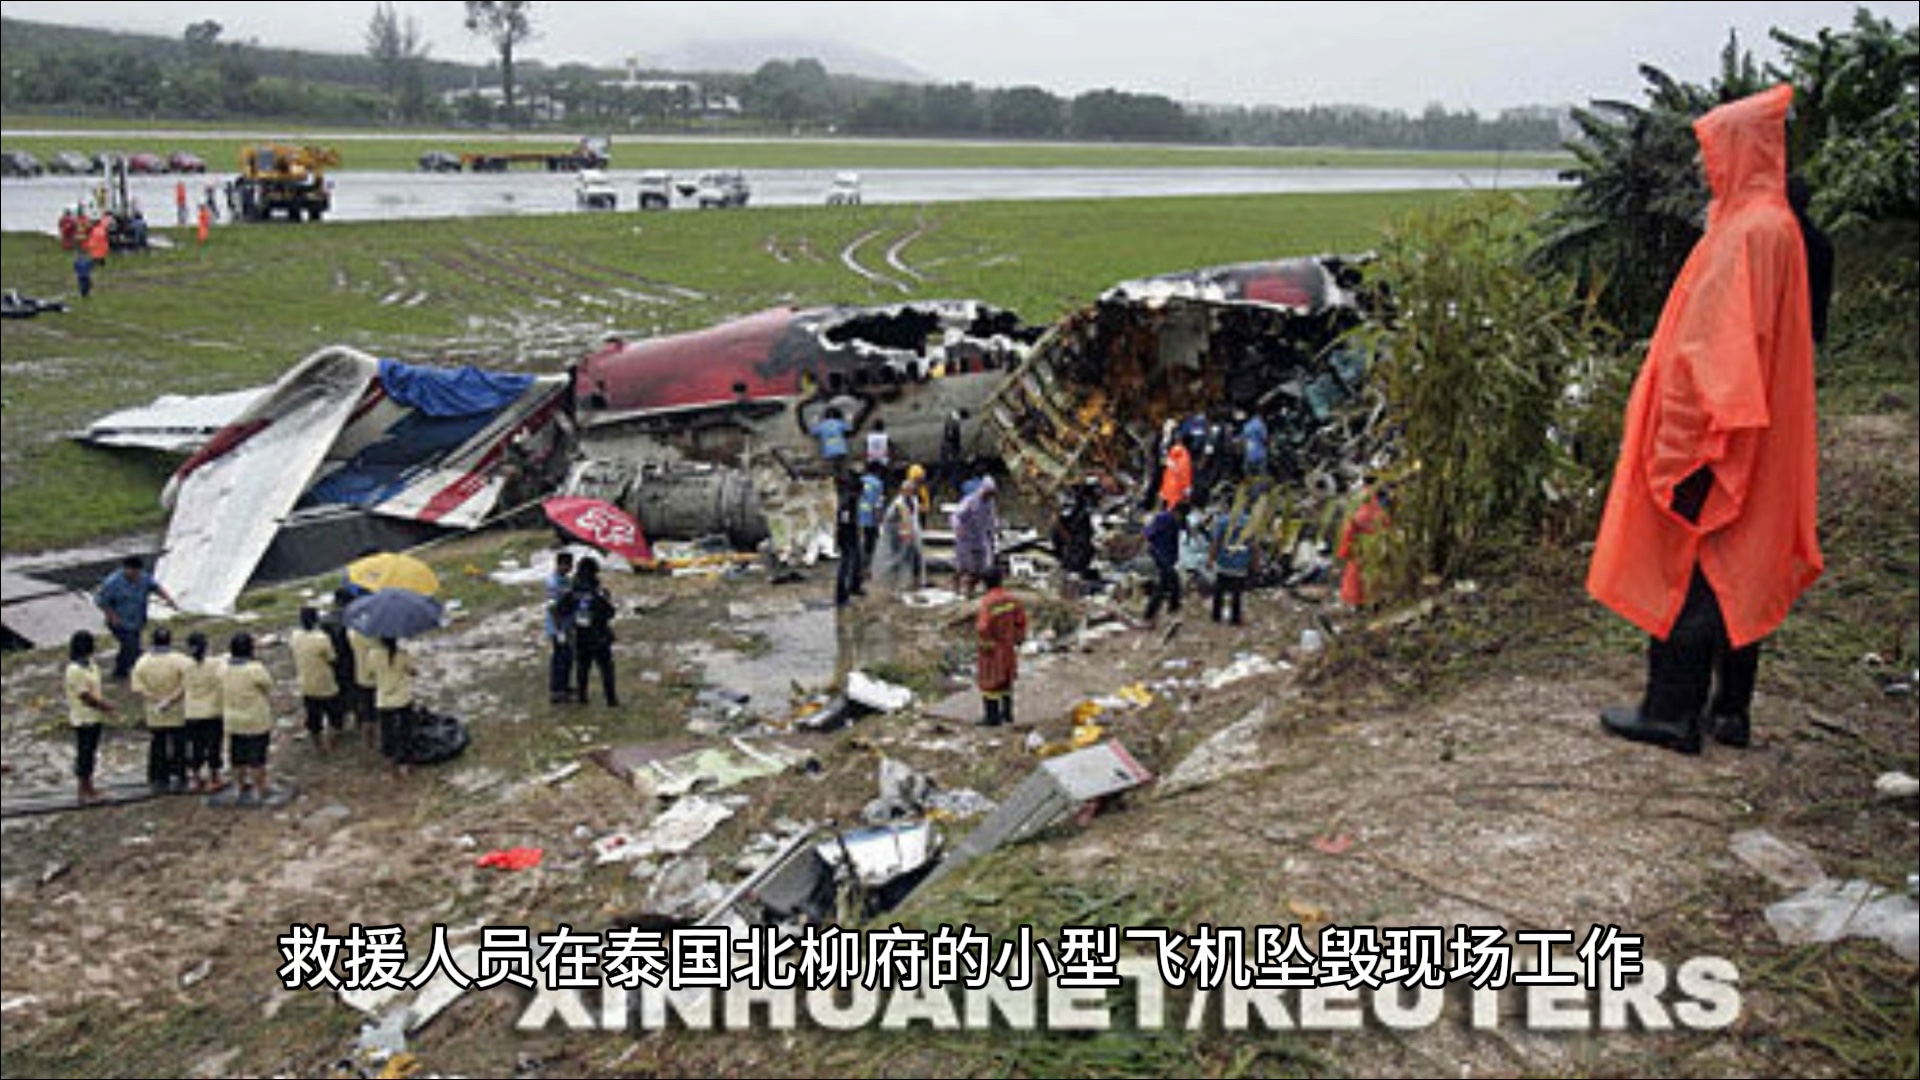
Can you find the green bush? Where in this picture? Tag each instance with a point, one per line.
(1502, 389)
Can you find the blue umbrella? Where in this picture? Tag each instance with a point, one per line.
(394, 613)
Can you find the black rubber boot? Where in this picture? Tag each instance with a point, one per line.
(1733, 729)
(1634, 725)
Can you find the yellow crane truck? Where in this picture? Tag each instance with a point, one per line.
(276, 178)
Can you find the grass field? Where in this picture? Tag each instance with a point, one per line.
(535, 293)
(402, 150)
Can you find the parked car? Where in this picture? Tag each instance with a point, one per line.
(20, 163)
(149, 164)
(845, 190)
(71, 162)
(718, 189)
(656, 189)
(593, 191)
(439, 161)
(182, 162)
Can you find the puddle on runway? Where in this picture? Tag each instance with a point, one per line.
(807, 650)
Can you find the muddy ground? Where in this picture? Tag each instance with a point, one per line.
(1436, 765)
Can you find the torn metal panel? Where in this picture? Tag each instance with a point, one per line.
(1059, 787)
(344, 430)
(881, 853)
(174, 423)
(231, 498)
(46, 615)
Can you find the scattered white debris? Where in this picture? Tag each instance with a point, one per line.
(1787, 865)
(1233, 749)
(930, 598)
(1244, 666)
(1896, 785)
(1832, 910)
(877, 693)
(682, 825)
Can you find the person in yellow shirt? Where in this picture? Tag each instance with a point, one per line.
(87, 711)
(246, 689)
(346, 666)
(393, 696)
(366, 713)
(201, 704)
(313, 665)
(160, 677)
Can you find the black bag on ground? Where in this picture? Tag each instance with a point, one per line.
(437, 737)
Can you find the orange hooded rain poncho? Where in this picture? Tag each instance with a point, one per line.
(1728, 386)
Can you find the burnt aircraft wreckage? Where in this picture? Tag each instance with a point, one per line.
(696, 432)
(1196, 352)
(690, 431)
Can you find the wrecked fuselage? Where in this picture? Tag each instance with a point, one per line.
(347, 452)
(672, 428)
(1198, 352)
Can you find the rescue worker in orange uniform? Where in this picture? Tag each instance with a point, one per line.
(1708, 536)
(1176, 479)
(1001, 626)
(98, 242)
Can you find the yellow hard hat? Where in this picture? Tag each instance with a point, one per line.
(916, 472)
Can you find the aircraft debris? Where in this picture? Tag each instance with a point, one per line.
(340, 443)
(1061, 786)
(1186, 354)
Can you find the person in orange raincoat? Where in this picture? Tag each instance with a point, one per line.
(1709, 531)
(1368, 518)
(206, 219)
(1001, 626)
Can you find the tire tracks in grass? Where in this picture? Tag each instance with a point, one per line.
(850, 258)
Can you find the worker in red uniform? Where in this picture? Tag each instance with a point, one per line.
(1001, 626)
(1368, 518)
(1709, 532)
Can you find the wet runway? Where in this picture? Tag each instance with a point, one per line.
(33, 205)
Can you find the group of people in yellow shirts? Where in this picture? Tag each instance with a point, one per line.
(198, 706)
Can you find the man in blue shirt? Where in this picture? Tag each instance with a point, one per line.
(1163, 543)
(1234, 557)
(560, 630)
(122, 598)
(1253, 446)
(873, 502)
(832, 433)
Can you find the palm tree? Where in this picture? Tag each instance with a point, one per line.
(1637, 211)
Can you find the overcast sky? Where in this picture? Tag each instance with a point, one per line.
(1483, 56)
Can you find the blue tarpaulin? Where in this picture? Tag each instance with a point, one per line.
(449, 407)
(461, 392)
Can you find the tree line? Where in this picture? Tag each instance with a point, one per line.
(205, 76)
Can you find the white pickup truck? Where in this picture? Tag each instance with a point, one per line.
(593, 191)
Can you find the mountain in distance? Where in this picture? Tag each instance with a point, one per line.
(746, 54)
